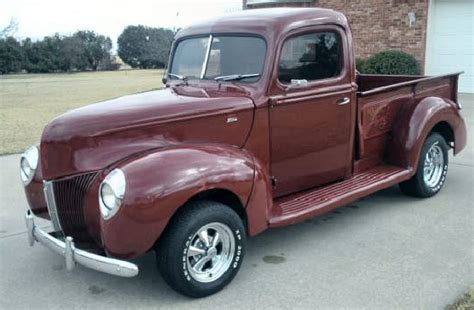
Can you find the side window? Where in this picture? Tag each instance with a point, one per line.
(310, 57)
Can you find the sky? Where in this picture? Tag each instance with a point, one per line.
(37, 19)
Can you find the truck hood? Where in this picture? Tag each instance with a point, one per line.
(95, 136)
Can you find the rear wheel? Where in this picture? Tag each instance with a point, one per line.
(202, 249)
(432, 169)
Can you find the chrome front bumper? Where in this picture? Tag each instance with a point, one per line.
(72, 255)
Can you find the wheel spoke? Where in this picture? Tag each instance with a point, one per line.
(204, 237)
(215, 240)
(200, 264)
(427, 161)
(193, 251)
(440, 158)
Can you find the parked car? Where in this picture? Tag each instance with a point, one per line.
(263, 122)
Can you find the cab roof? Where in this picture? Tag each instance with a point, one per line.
(266, 22)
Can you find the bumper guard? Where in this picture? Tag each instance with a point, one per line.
(72, 255)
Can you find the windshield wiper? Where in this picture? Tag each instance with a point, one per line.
(236, 77)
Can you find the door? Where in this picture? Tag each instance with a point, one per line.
(450, 40)
(311, 119)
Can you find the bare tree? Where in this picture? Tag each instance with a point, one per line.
(9, 30)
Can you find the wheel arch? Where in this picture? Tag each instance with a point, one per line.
(225, 197)
(416, 122)
(446, 131)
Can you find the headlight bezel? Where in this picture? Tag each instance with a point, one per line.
(28, 164)
(111, 193)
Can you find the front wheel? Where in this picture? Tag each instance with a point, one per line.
(432, 169)
(202, 249)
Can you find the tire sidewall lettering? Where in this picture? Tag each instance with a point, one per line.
(238, 249)
(186, 274)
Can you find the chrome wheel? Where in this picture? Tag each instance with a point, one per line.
(433, 165)
(210, 252)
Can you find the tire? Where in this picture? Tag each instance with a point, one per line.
(190, 266)
(431, 173)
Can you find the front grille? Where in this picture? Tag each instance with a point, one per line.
(70, 195)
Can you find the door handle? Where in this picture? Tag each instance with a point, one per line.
(344, 101)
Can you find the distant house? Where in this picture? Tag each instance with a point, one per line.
(439, 33)
(121, 65)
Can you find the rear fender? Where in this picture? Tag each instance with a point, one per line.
(414, 124)
(160, 182)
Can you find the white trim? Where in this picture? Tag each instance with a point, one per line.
(206, 59)
(429, 29)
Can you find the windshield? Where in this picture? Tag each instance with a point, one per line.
(219, 57)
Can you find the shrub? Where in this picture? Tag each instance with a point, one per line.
(110, 64)
(392, 62)
(360, 64)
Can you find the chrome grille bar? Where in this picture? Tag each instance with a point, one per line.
(51, 202)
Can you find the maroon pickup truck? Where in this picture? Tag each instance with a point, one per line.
(263, 122)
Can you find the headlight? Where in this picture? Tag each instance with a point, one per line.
(28, 164)
(111, 193)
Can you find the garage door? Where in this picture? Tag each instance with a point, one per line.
(450, 40)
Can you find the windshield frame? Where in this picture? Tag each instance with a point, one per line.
(211, 36)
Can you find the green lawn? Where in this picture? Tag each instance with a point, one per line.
(29, 101)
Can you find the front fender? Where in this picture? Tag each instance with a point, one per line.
(160, 182)
(414, 124)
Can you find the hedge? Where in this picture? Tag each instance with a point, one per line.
(390, 62)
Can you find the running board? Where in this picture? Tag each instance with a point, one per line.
(298, 207)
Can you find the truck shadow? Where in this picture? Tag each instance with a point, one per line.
(270, 249)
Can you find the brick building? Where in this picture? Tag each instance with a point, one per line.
(439, 33)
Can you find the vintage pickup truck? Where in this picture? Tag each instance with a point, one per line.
(263, 122)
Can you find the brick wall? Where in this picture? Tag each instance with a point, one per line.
(379, 25)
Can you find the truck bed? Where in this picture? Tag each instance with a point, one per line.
(379, 100)
(369, 84)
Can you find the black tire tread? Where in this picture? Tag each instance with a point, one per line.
(171, 241)
(415, 186)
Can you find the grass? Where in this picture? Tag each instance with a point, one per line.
(29, 101)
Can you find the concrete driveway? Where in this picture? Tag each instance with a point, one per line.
(383, 252)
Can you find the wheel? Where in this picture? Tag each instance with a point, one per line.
(432, 169)
(202, 249)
